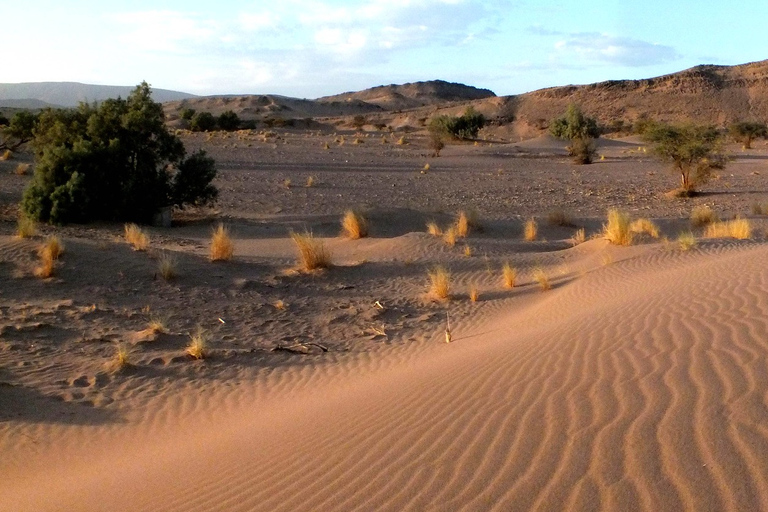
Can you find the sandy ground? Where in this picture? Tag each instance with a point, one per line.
(637, 382)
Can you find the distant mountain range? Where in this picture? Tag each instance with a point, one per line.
(70, 94)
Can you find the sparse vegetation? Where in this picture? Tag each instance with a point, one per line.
(702, 215)
(222, 247)
(617, 229)
(198, 344)
(313, 254)
(440, 283)
(54, 246)
(433, 229)
(692, 150)
(449, 236)
(747, 131)
(354, 225)
(157, 325)
(25, 227)
(47, 262)
(583, 150)
(121, 359)
(310, 182)
(686, 240)
(741, 229)
(462, 225)
(540, 276)
(166, 266)
(530, 230)
(508, 275)
(138, 239)
(644, 226)
(579, 237)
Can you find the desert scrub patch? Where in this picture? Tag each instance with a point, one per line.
(439, 283)
(741, 229)
(354, 225)
(530, 230)
(686, 241)
(702, 215)
(313, 254)
(134, 235)
(646, 226)
(198, 344)
(222, 247)
(508, 275)
(617, 229)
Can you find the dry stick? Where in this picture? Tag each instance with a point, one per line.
(447, 328)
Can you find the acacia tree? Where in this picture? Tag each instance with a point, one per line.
(747, 131)
(113, 161)
(692, 150)
(18, 131)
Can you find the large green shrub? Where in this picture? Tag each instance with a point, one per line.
(202, 122)
(18, 130)
(747, 131)
(574, 125)
(465, 126)
(229, 121)
(114, 161)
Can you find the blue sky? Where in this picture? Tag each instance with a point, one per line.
(311, 48)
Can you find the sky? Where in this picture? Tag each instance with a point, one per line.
(313, 48)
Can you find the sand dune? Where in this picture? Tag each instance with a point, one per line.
(634, 386)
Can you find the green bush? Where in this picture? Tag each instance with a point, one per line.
(574, 125)
(187, 114)
(202, 122)
(466, 126)
(747, 131)
(113, 161)
(18, 131)
(229, 121)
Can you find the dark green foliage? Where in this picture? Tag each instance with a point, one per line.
(690, 149)
(187, 114)
(747, 131)
(229, 121)
(202, 122)
(4, 120)
(110, 162)
(192, 182)
(466, 126)
(359, 121)
(574, 125)
(583, 150)
(18, 131)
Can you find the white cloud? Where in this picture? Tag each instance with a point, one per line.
(168, 31)
(604, 48)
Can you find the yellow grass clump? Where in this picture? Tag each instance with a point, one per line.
(22, 169)
(540, 276)
(280, 305)
(7, 155)
(474, 294)
(531, 230)
(686, 240)
(310, 182)
(157, 324)
(440, 283)
(136, 237)
(644, 226)
(462, 224)
(702, 215)
(449, 236)
(402, 141)
(740, 229)
(121, 359)
(198, 344)
(617, 230)
(47, 263)
(508, 275)
(579, 237)
(354, 225)
(433, 229)
(53, 246)
(222, 247)
(467, 251)
(166, 266)
(25, 227)
(287, 183)
(313, 254)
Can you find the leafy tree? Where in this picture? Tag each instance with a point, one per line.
(466, 126)
(18, 131)
(747, 131)
(187, 114)
(691, 149)
(114, 161)
(202, 122)
(229, 121)
(574, 125)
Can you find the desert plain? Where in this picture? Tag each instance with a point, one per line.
(637, 379)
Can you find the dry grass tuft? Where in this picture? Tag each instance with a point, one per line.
(467, 251)
(617, 230)
(310, 182)
(280, 305)
(158, 324)
(22, 169)
(531, 230)
(52, 245)
(579, 237)
(402, 141)
(440, 283)
(559, 218)
(474, 294)
(354, 225)
(47, 263)
(645, 226)
(312, 252)
(198, 344)
(462, 225)
(26, 227)
(122, 358)
(287, 183)
(703, 215)
(136, 237)
(433, 229)
(222, 247)
(166, 266)
(740, 229)
(7, 155)
(508, 275)
(540, 276)
(686, 241)
(449, 236)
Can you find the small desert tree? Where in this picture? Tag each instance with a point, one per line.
(18, 131)
(580, 130)
(692, 150)
(114, 161)
(747, 131)
(202, 122)
(229, 121)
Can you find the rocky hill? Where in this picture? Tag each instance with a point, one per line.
(413, 95)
